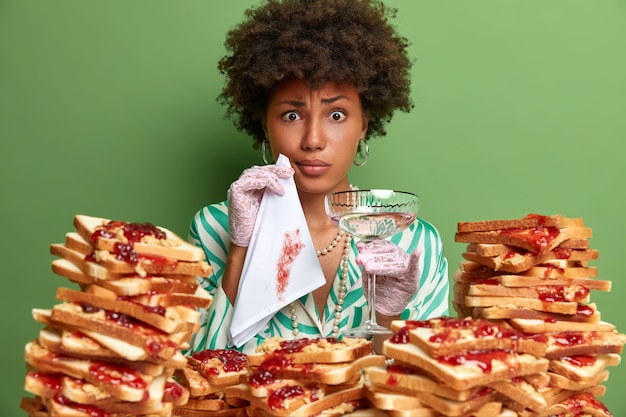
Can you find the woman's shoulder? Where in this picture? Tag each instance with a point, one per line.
(424, 226)
(212, 212)
(210, 223)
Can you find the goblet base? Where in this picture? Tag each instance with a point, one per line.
(368, 330)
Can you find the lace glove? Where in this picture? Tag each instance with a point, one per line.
(397, 274)
(244, 198)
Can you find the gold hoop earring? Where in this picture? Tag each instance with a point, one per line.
(264, 146)
(362, 153)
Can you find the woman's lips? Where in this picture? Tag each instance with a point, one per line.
(313, 167)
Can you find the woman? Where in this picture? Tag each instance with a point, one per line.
(314, 80)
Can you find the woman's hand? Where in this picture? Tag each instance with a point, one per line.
(397, 274)
(244, 198)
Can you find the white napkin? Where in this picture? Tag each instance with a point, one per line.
(281, 264)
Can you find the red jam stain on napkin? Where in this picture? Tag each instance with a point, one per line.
(292, 246)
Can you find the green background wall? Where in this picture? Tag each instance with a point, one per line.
(107, 108)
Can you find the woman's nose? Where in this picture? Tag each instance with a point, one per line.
(314, 136)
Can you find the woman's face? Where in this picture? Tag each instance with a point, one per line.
(318, 130)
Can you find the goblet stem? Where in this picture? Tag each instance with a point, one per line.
(371, 302)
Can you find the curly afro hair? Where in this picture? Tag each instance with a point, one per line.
(344, 41)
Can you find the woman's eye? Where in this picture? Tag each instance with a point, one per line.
(291, 116)
(337, 116)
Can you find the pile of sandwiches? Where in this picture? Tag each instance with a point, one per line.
(457, 367)
(207, 375)
(112, 344)
(533, 275)
(306, 377)
(299, 377)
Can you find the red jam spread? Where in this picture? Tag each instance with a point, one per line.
(580, 360)
(158, 339)
(292, 246)
(116, 375)
(276, 399)
(577, 403)
(401, 336)
(481, 359)
(297, 345)
(48, 380)
(173, 390)
(392, 370)
(584, 310)
(89, 410)
(558, 293)
(275, 362)
(539, 238)
(261, 377)
(232, 360)
(160, 310)
(134, 232)
(569, 339)
(445, 330)
(562, 253)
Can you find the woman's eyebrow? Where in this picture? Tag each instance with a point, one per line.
(331, 100)
(299, 103)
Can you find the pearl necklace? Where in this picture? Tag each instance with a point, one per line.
(330, 247)
(342, 287)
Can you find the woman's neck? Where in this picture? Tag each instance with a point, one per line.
(314, 210)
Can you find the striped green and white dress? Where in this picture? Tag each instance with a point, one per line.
(209, 230)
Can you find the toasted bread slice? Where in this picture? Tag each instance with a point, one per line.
(538, 240)
(537, 275)
(321, 373)
(220, 366)
(522, 392)
(441, 337)
(445, 406)
(108, 327)
(582, 368)
(122, 383)
(550, 326)
(122, 263)
(516, 261)
(447, 335)
(546, 293)
(70, 409)
(82, 392)
(390, 400)
(197, 384)
(192, 412)
(321, 350)
(408, 380)
(471, 369)
(584, 313)
(530, 221)
(583, 403)
(561, 382)
(127, 286)
(498, 249)
(559, 307)
(297, 401)
(561, 344)
(77, 344)
(167, 320)
(106, 234)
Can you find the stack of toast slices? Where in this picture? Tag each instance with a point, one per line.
(533, 274)
(451, 367)
(113, 343)
(306, 377)
(207, 375)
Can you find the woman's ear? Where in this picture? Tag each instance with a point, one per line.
(364, 127)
